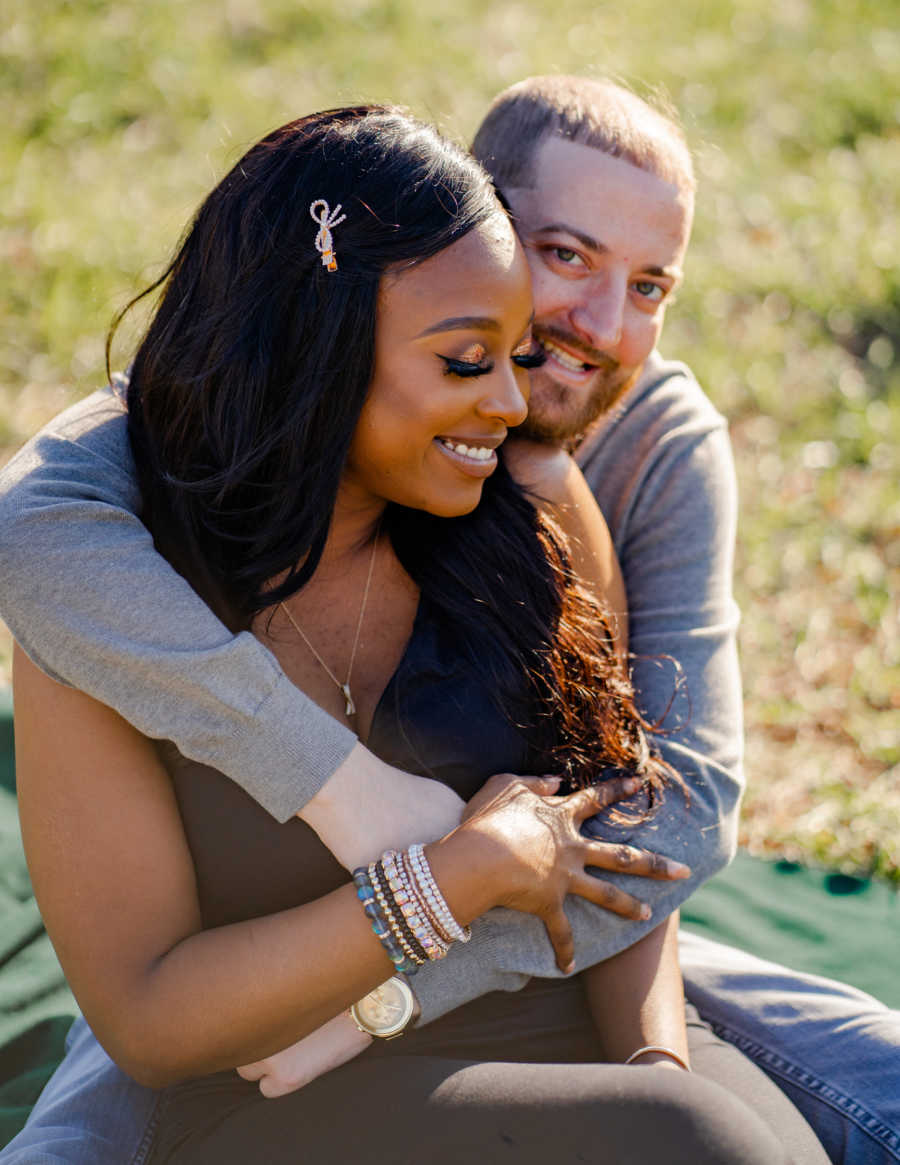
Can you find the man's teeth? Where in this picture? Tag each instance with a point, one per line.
(475, 452)
(564, 358)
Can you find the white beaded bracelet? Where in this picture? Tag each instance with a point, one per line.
(662, 1052)
(434, 897)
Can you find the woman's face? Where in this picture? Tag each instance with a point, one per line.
(452, 348)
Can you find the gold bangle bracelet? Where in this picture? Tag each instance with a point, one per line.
(662, 1052)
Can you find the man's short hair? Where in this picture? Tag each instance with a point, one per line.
(591, 112)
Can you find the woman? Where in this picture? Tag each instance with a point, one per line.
(315, 428)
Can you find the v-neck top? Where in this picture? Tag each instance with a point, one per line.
(435, 718)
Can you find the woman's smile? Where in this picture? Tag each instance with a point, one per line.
(452, 352)
(477, 460)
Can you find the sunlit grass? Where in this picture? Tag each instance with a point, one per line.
(116, 118)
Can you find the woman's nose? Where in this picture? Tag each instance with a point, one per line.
(508, 399)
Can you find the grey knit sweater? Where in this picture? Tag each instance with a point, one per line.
(89, 599)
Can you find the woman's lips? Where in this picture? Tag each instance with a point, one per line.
(478, 460)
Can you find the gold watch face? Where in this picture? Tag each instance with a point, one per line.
(387, 1010)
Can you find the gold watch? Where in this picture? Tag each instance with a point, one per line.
(386, 1011)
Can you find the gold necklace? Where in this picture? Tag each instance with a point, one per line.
(350, 709)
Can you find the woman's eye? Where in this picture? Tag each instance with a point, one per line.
(648, 290)
(565, 255)
(533, 357)
(465, 367)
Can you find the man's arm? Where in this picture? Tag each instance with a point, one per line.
(78, 574)
(89, 599)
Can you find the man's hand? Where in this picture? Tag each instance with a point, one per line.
(367, 807)
(331, 1045)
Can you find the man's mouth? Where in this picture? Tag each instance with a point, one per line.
(565, 358)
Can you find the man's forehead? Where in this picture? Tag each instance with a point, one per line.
(596, 195)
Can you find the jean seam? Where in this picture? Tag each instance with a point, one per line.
(867, 1123)
(145, 1148)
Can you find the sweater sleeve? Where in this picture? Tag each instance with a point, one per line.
(663, 474)
(88, 598)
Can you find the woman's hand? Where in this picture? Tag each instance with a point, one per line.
(523, 849)
(331, 1045)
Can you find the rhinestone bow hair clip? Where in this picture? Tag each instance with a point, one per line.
(327, 219)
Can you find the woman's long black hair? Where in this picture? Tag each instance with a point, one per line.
(245, 392)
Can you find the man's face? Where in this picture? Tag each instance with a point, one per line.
(605, 243)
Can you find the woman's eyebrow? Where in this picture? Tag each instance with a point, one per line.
(460, 323)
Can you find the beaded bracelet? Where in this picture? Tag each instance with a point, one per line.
(434, 897)
(395, 920)
(439, 937)
(380, 928)
(388, 917)
(408, 902)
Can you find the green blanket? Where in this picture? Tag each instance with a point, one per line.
(826, 923)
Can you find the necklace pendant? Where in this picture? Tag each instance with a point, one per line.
(350, 710)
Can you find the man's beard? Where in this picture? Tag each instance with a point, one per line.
(557, 413)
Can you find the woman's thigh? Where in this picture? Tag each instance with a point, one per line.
(409, 1109)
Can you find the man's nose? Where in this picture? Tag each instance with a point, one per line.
(598, 317)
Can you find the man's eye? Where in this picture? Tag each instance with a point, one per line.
(648, 290)
(465, 367)
(566, 256)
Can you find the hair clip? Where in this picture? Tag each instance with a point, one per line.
(326, 218)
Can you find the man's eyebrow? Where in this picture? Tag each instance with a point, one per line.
(588, 241)
(593, 244)
(461, 323)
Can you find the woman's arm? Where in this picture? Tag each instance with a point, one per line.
(115, 881)
(637, 998)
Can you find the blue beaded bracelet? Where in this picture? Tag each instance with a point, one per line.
(380, 927)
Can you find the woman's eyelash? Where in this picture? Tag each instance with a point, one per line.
(533, 359)
(465, 368)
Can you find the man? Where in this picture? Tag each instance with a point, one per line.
(603, 200)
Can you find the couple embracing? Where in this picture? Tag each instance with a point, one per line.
(327, 593)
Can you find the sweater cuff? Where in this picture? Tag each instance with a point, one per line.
(288, 754)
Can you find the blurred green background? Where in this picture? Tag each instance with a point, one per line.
(116, 118)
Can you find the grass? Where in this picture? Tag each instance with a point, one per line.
(116, 119)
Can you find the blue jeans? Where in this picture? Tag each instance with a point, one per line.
(834, 1050)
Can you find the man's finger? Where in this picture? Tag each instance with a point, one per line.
(627, 859)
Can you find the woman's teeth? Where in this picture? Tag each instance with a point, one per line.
(564, 358)
(474, 452)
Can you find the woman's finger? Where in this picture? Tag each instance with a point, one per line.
(627, 859)
(610, 897)
(543, 786)
(586, 802)
(560, 934)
